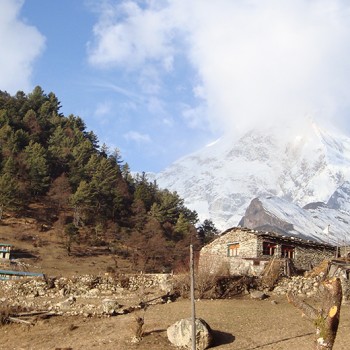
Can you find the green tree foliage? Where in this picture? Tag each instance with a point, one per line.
(46, 156)
(82, 202)
(37, 167)
(207, 231)
(9, 194)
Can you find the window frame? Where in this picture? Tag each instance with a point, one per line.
(233, 252)
(269, 248)
(289, 249)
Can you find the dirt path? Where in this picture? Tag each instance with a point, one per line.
(238, 324)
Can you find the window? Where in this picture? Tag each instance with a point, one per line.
(287, 251)
(233, 249)
(269, 248)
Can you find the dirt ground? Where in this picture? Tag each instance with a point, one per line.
(242, 323)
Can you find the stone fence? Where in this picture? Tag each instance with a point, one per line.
(84, 295)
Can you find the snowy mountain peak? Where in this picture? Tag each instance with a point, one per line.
(300, 165)
(316, 221)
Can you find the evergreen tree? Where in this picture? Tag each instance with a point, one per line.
(9, 194)
(82, 202)
(207, 231)
(37, 168)
(182, 227)
(32, 125)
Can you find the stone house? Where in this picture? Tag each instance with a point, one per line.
(5, 251)
(244, 251)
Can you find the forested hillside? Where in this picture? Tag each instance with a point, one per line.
(87, 189)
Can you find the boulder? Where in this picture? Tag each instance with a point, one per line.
(257, 294)
(180, 334)
(66, 304)
(110, 306)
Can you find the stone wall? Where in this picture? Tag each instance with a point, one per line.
(308, 257)
(84, 295)
(214, 256)
(306, 287)
(303, 287)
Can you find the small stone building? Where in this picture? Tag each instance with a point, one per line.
(5, 251)
(244, 251)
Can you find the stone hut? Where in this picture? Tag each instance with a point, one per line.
(244, 251)
(5, 251)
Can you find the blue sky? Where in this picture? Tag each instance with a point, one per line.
(159, 79)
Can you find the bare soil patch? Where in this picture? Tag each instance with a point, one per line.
(242, 323)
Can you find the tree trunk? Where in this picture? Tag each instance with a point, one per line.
(326, 319)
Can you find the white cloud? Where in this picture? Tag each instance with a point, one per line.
(103, 109)
(194, 116)
(258, 62)
(21, 45)
(127, 34)
(137, 137)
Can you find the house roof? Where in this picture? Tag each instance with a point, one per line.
(285, 238)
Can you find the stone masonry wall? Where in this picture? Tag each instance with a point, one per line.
(308, 257)
(305, 257)
(214, 257)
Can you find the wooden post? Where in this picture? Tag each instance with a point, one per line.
(193, 309)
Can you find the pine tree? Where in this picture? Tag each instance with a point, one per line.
(9, 194)
(37, 167)
(81, 201)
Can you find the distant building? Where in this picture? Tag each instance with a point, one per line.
(5, 256)
(244, 251)
(5, 251)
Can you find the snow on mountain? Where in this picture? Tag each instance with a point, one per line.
(341, 198)
(316, 221)
(300, 166)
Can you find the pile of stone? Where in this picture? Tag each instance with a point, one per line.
(84, 295)
(302, 286)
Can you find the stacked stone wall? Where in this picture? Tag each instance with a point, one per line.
(308, 257)
(214, 257)
(84, 295)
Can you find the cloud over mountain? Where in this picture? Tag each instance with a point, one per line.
(256, 62)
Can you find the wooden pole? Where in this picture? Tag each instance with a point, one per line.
(193, 309)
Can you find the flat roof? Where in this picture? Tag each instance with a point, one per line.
(21, 273)
(286, 238)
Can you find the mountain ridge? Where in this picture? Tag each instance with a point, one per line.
(299, 165)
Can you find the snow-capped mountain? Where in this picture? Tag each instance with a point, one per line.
(316, 221)
(299, 166)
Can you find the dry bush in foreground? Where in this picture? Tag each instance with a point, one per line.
(213, 282)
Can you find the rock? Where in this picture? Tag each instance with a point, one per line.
(256, 294)
(110, 306)
(180, 334)
(66, 304)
